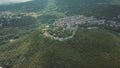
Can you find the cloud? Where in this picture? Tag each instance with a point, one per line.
(2, 2)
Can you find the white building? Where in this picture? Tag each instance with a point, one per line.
(92, 28)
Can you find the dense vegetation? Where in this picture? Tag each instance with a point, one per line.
(13, 27)
(49, 19)
(35, 5)
(97, 8)
(29, 48)
(87, 49)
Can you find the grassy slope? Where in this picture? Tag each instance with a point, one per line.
(88, 49)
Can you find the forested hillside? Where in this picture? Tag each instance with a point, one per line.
(35, 5)
(87, 49)
(60, 34)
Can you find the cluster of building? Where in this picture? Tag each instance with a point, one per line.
(6, 17)
(113, 24)
(11, 14)
(72, 21)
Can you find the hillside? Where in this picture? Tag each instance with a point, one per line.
(35, 5)
(31, 33)
(88, 49)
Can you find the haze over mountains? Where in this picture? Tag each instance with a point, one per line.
(4, 2)
(31, 33)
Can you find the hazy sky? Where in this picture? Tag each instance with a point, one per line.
(2, 2)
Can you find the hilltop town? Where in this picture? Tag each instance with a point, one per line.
(71, 24)
(63, 28)
(71, 21)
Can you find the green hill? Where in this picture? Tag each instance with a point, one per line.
(88, 49)
(95, 48)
